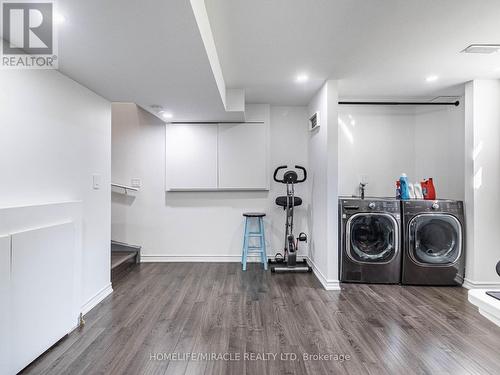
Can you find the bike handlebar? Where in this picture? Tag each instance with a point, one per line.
(276, 171)
(303, 171)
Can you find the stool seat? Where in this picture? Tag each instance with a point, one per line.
(281, 201)
(254, 214)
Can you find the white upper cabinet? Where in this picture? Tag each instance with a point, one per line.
(191, 151)
(243, 156)
(217, 157)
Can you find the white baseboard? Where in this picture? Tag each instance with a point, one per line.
(96, 299)
(327, 284)
(198, 258)
(470, 284)
(488, 306)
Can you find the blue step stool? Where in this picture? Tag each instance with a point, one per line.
(247, 249)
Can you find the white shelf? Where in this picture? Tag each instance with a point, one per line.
(216, 189)
(124, 187)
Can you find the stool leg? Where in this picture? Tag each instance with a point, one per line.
(245, 246)
(244, 240)
(263, 250)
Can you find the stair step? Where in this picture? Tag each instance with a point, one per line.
(120, 257)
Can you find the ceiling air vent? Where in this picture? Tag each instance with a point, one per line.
(482, 48)
(314, 121)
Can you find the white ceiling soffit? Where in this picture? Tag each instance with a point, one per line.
(376, 49)
(147, 52)
(233, 99)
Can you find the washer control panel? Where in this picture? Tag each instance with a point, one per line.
(351, 206)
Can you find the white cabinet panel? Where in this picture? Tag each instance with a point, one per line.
(243, 156)
(4, 304)
(191, 156)
(42, 290)
(217, 157)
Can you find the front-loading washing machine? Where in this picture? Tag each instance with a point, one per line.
(370, 249)
(433, 245)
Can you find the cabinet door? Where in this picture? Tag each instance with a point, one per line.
(243, 156)
(5, 335)
(42, 287)
(191, 156)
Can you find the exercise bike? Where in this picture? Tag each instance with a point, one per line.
(287, 262)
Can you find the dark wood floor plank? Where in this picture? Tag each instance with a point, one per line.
(163, 308)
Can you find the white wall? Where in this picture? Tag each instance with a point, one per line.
(482, 177)
(200, 226)
(323, 172)
(439, 149)
(380, 143)
(375, 142)
(54, 135)
(318, 183)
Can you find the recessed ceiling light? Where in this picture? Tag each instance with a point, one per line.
(166, 115)
(482, 48)
(431, 79)
(59, 18)
(301, 78)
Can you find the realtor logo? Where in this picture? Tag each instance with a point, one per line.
(28, 37)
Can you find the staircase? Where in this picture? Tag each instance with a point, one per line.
(124, 257)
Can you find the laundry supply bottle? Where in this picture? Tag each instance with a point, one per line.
(428, 189)
(405, 190)
(411, 190)
(418, 190)
(398, 190)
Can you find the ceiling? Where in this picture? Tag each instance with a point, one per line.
(376, 49)
(152, 52)
(147, 52)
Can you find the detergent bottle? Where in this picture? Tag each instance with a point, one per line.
(418, 191)
(411, 189)
(405, 190)
(428, 189)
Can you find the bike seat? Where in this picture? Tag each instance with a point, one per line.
(281, 201)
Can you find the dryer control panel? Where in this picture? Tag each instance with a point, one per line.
(420, 206)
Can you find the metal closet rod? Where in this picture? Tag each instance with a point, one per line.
(213, 122)
(456, 103)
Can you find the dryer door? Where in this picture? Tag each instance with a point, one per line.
(435, 239)
(372, 238)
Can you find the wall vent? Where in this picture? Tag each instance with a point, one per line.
(314, 121)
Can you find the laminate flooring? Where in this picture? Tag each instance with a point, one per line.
(213, 318)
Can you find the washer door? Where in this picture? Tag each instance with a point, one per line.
(435, 239)
(372, 238)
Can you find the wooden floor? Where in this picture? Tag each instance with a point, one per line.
(160, 309)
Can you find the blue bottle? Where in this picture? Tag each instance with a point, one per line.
(405, 190)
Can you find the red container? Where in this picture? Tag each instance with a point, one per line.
(428, 189)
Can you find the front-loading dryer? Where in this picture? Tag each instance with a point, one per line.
(370, 249)
(433, 245)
